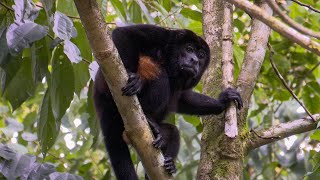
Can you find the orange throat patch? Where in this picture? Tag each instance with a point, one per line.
(148, 69)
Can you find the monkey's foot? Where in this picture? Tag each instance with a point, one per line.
(169, 165)
(158, 142)
(133, 86)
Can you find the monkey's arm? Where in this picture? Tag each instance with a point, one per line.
(134, 44)
(198, 104)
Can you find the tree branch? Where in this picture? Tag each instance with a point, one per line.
(291, 22)
(231, 127)
(306, 5)
(135, 123)
(281, 131)
(277, 25)
(253, 58)
(286, 85)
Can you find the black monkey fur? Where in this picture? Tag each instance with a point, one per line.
(181, 57)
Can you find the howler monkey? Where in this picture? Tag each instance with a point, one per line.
(163, 66)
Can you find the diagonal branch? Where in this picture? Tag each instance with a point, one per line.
(254, 57)
(136, 126)
(285, 30)
(286, 85)
(281, 131)
(291, 22)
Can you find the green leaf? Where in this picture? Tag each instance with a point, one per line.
(119, 9)
(9, 70)
(4, 47)
(63, 26)
(192, 14)
(81, 70)
(48, 127)
(82, 42)
(196, 27)
(238, 55)
(40, 55)
(135, 13)
(315, 135)
(281, 94)
(194, 120)
(239, 24)
(92, 120)
(166, 4)
(21, 86)
(67, 7)
(62, 84)
(311, 97)
(21, 36)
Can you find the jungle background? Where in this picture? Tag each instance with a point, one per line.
(47, 119)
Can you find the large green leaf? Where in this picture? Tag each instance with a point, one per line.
(192, 14)
(119, 9)
(48, 127)
(81, 69)
(67, 7)
(21, 86)
(9, 70)
(62, 83)
(40, 55)
(3, 47)
(135, 13)
(311, 97)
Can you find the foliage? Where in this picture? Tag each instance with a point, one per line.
(46, 107)
(14, 165)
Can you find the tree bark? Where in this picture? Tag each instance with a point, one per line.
(136, 126)
(221, 157)
(281, 131)
(285, 30)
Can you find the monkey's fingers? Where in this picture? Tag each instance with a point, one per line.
(238, 100)
(158, 142)
(133, 86)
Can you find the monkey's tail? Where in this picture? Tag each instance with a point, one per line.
(119, 154)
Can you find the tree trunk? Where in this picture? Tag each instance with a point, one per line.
(221, 157)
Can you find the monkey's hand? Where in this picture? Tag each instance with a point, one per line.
(133, 86)
(230, 95)
(169, 165)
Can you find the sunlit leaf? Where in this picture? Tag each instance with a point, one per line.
(63, 26)
(25, 10)
(21, 36)
(72, 51)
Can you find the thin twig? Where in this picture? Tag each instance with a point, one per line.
(259, 136)
(6, 6)
(285, 84)
(86, 60)
(314, 68)
(291, 22)
(170, 14)
(306, 5)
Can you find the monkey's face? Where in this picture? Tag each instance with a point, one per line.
(188, 58)
(191, 60)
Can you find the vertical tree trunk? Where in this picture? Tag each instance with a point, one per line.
(221, 157)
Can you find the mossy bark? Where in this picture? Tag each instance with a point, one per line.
(221, 157)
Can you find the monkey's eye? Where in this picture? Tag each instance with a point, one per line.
(201, 54)
(189, 49)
